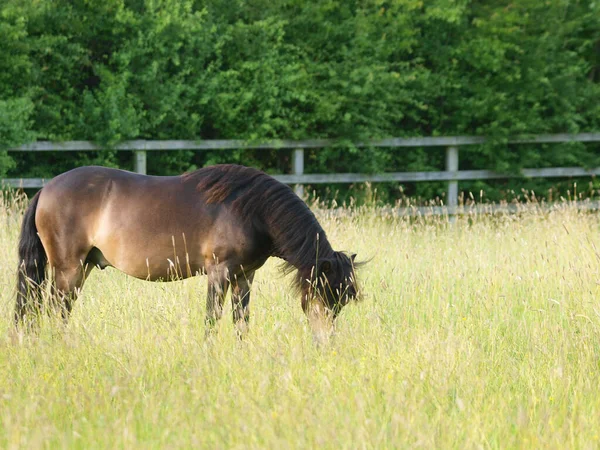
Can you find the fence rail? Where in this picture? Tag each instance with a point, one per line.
(299, 178)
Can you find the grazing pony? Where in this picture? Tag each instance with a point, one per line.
(223, 220)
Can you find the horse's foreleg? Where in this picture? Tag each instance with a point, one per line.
(218, 283)
(240, 302)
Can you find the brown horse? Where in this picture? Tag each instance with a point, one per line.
(223, 220)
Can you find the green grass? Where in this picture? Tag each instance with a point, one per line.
(484, 334)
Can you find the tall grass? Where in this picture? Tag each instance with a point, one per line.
(480, 334)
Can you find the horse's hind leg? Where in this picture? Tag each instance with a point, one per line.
(67, 284)
(240, 302)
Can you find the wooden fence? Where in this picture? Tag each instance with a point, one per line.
(451, 174)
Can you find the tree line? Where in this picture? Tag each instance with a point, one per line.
(297, 69)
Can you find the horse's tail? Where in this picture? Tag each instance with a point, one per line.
(31, 272)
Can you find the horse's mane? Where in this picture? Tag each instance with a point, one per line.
(265, 202)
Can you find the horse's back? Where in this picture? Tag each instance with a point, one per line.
(78, 197)
(72, 200)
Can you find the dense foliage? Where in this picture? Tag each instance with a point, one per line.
(256, 69)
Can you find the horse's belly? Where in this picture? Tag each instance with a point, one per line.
(158, 258)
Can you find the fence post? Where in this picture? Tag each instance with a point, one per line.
(452, 166)
(298, 166)
(139, 161)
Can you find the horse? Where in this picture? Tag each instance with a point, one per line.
(224, 221)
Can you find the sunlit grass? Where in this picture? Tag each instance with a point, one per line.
(481, 334)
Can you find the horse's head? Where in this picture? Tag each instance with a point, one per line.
(335, 282)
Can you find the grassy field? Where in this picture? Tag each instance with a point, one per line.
(484, 334)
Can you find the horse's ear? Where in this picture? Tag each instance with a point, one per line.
(352, 257)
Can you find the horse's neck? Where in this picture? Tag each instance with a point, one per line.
(303, 248)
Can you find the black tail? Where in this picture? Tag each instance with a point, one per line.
(31, 272)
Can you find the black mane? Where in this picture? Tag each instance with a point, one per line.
(260, 199)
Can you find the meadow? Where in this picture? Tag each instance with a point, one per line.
(483, 333)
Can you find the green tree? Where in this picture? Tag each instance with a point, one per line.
(255, 69)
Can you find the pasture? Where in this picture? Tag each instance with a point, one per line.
(484, 334)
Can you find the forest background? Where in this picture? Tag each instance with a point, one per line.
(348, 70)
